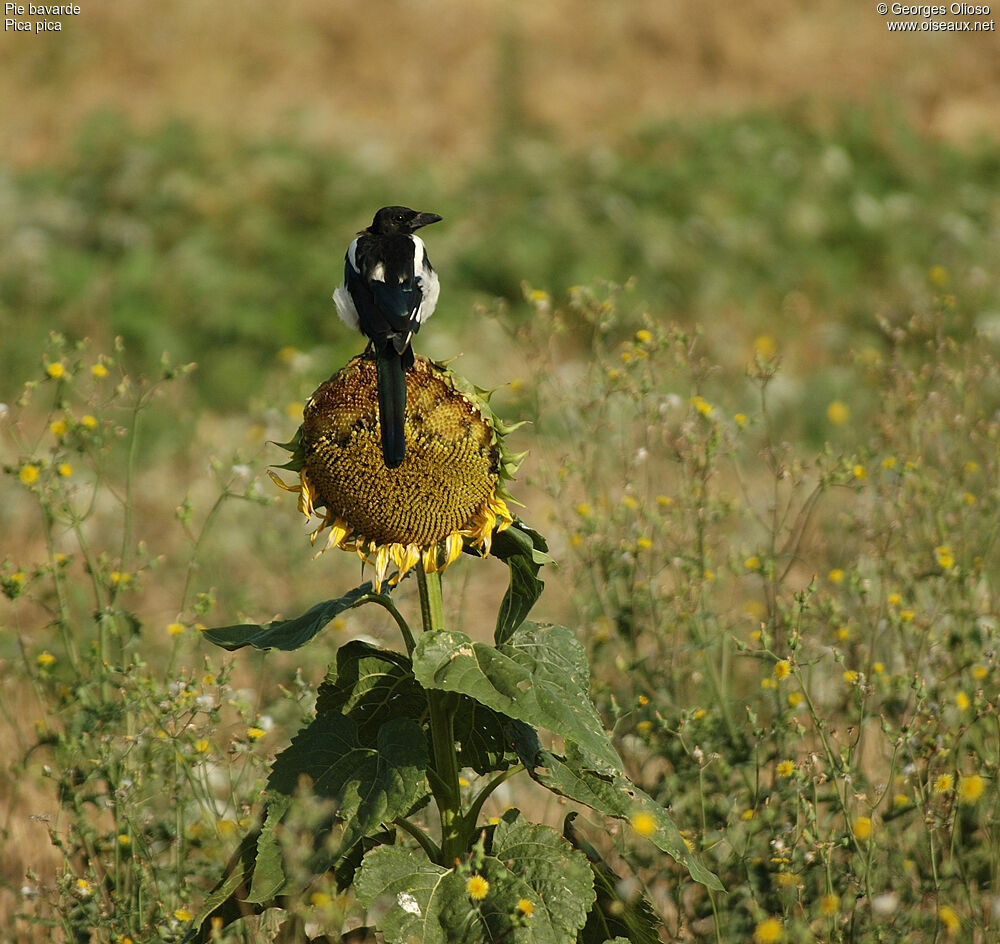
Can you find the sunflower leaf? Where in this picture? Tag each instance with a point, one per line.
(614, 795)
(522, 549)
(539, 676)
(369, 784)
(528, 869)
(291, 633)
(227, 902)
(370, 685)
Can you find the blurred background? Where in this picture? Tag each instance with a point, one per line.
(791, 183)
(188, 177)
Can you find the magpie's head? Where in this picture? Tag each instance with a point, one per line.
(396, 219)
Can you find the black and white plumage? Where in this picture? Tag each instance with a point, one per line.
(389, 291)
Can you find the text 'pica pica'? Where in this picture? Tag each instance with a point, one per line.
(389, 291)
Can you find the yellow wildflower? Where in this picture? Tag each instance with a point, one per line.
(838, 413)
(477, 888)
(28, 474)
(944, 783)
(768, 931)
(56, 370)
(782, 669)
(970, 788)
(644, 824)
(945, 559)
(765, 346)
(862, 828)
(938, 276)
(949, 919)
(702, 405)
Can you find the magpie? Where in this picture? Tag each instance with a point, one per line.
(390, 289)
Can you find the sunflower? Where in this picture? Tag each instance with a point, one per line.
(448, 492)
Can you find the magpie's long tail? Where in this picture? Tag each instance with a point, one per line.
(391, 404)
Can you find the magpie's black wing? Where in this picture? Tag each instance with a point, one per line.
(387, 268)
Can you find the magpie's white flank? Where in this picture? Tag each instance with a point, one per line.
(390, 289)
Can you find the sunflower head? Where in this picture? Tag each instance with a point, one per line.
(448, 491)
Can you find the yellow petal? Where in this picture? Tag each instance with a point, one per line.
(431, 559)
(306, 495)
(381, 566)
(453, 547)
(405, 557)
(277, 481)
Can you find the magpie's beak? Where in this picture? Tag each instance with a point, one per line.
(424, 219)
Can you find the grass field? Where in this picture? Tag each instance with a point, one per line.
(753, 326)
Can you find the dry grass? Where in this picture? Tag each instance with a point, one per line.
(438, 79)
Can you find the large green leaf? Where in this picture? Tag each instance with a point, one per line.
(523, 550)
(535, 863)
(371, 784)
(540, 676)
(525, 863)
(614, 795)
(370, 686)
(227, 902)
(483, 738)
(268, 879)
(288, 634)
(413, 891)
(617, 910)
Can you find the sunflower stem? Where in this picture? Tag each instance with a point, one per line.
(431, 604)
(441, 707)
